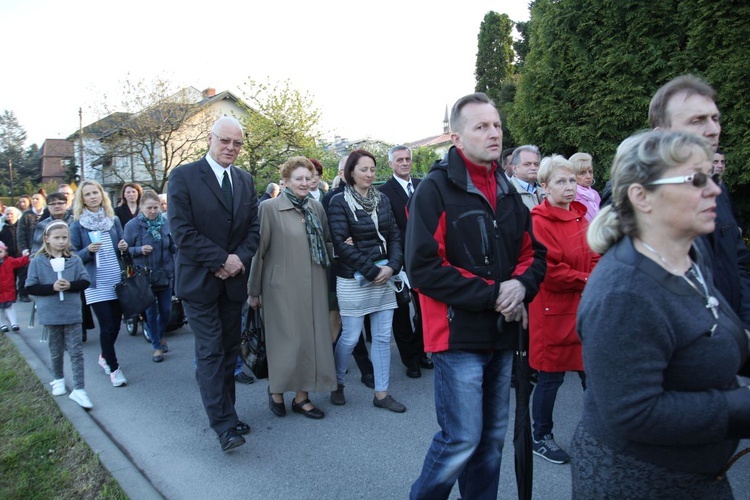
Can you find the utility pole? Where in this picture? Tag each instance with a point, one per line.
(80, 140)
(12, 194)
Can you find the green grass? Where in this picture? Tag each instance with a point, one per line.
(41, 454)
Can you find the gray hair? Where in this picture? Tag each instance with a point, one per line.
(14, 210)
(516, 158)
(398, 147)
(640, 159)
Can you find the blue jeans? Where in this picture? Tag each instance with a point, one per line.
(469, 446)
(380, 351)
(544, 396)
(157, 316)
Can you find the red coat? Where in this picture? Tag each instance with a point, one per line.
(8, 277)
(553, 341)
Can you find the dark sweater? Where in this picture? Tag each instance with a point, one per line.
(661, 370)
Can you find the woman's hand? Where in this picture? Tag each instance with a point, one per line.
(349, 241)
(253, 302)
(61, 285)
(146, 249)
(94, 247)
(122, 245)
(383, 276)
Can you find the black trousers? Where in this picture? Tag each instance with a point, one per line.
(409, 341)
(217, 329)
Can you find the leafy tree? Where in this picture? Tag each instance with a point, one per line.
(156, 128)
(495, 73)
(24, 162)
(280, 122)
(422, 159)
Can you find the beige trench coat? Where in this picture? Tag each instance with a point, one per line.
(294, 299)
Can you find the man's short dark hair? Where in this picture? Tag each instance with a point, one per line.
(506, 153)
(690, 84)
(457, 122)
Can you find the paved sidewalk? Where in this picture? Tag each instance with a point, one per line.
(153, 434)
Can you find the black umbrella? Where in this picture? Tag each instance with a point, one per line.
(524, 457)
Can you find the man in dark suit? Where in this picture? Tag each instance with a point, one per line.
(213, 217)
(398, 189)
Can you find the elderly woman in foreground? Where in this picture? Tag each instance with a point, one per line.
(663, 411)
(289, 275)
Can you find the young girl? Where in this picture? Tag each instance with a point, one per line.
(8, 266)
(61, 318)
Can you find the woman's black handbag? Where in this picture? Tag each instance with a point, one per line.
(253, 347)
(134, 290)
(158, 279)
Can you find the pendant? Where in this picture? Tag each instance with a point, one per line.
(713, 304)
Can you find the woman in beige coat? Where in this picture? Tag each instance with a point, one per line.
(289, 274)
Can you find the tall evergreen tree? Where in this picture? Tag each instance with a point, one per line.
(495, 73)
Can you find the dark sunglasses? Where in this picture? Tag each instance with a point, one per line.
(698, 179)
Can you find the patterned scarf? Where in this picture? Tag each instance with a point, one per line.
(153, 227)
(369, 204)
(313, 228)
(96, 221)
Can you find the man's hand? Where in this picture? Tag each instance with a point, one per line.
(518, 314)
(511, 295)
(233, 265)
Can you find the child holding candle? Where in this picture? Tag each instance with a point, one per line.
(56, 277)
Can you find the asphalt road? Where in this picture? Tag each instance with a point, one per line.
(357, 451)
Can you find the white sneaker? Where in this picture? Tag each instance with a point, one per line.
(118, 378)
(80, 397)
(58, 387)
(104, 365)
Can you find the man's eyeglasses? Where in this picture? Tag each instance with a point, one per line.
(226, 141)
(698, 179)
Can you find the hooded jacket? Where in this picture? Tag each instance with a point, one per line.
(458, 252)
(554, 345)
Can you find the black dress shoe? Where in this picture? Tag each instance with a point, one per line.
(243, 378)
(278, 409)
(229, 439)
(242, 428)
(314, 413)
(413, 372)
(369, 380)
(426, 363)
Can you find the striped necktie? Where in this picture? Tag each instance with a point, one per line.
(409, 189)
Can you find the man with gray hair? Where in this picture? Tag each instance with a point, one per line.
(213, 215)
(398, 189)
(525, 163)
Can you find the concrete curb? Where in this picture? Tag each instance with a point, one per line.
(131, 479)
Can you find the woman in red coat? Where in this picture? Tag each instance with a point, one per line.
(560, 224)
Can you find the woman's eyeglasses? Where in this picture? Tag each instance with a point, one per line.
(698, 179)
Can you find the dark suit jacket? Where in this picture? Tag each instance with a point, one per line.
(398, 198)
(206, 230)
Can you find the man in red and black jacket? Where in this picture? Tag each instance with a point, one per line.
(472, 257)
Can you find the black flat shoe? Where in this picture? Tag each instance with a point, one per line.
(278, 409)
(369, 380)
(242, 428)
(229, 439)
(314, 413)
(413, 372)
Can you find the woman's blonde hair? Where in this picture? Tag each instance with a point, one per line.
(640, 159)
(549, 165)
(581, 162)
(52, 226)
(78, 205)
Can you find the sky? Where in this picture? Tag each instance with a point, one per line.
(384, 70)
